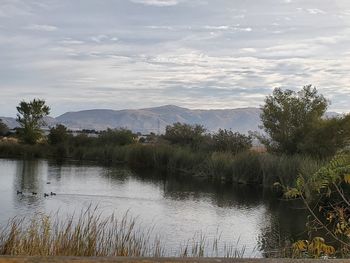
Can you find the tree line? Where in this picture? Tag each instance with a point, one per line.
(308, 156)
(293, 122)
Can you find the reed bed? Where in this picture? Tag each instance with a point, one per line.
(91, 235)
(248, 167)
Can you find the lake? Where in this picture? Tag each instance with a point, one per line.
(178, 208)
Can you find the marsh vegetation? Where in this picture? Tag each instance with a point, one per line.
(299, 142)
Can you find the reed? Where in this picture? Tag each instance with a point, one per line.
(15, 150)
(248, 167)
(91, 235)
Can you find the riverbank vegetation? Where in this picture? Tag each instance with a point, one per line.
(91, 234)
(245, 166)
(305, 155)
(297, 139)
(325, 195)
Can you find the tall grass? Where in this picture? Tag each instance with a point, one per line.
(247, 167)
(285, 168)
(87, 235)
(90, 235)
(15, 150)
(259, 168)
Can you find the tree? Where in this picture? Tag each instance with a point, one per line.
(116, 137)
(185, 134)
(330, 136)
(288, 117)
(58, 135)
(3, 128)
(228, 141)
(30, 118)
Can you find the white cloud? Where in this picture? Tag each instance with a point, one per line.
(157, 2)
(315, 11)
(217, 27)
(120, 54)
(36, 27)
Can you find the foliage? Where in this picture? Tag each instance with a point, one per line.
(92, 235)
(82, 140)
(289, 116)
(3, 128)
(234, 142)
(30, 118)
(116, 137)
(86, 235)
(325, 195)
(247, 167)
(58, 135)
(13, 149)
(185, 134)
(316, 248)
(328, 137)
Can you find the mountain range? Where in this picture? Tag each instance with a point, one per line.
(156, 119)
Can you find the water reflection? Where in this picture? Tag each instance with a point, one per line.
(178, 206)
(286, 225)
(219, 194)
(29, 182)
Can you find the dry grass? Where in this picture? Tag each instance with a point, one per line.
(91, 235)
(86, 235)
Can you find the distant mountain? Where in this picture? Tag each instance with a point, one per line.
(157, 118)
(150, 119)
(12, 123)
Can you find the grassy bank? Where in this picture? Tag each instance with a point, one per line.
(247, 167)
(91, 235)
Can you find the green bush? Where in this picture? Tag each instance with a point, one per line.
(116, 137)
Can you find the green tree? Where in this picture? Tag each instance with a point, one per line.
(185, 134)
(234, 142)
(3, 128)
(58, 135)
(330, 136)
(30, 118)
(116, 137)
(288, 117)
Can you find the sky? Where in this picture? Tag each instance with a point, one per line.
(203, 54)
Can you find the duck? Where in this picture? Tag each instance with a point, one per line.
(52, 193)
(19, 192)
(46, 195)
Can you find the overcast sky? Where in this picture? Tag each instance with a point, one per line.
(117, 54)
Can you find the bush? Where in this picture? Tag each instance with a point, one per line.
(228, 141)
(116, 137)
(58, 135)
(185, 134)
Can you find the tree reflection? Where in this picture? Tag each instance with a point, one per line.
(281, 223)
(284, 224)
(28, 180)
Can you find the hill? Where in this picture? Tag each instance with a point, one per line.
(150, 119)
(157, 118)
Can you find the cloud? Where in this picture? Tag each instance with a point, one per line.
(315, 11)
(10, 9)
(36, 27)
(200, 54)
(159, 3)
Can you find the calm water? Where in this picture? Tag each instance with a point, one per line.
(177, 208)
